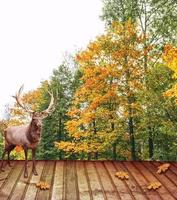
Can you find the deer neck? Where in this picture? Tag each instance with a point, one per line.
(28, 134)
(31, 129)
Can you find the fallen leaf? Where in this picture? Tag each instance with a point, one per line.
(163, 168)
(43, 185)
(122, 175)
(154, 185)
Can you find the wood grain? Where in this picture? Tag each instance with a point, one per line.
(88, 180)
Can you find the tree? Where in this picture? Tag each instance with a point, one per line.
(61, 83)
(161, 117)
(157, 23)
(156, 19)
(105, 106)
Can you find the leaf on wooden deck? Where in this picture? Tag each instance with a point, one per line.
(43, 185)
(122, 175)
(163, 168)
(154, 185)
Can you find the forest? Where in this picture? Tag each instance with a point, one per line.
(117, 98)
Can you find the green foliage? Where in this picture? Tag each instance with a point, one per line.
(157, 19)
(62, 84)
(159, 120)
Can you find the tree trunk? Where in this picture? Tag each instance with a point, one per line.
(114, 152)
(60, 132)
(132, 138)
(151, 144)
(114, 146)
(89, 156)
(96, 156)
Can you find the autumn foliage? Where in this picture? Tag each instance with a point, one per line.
(114, 106)
(112, 74)
(170, 57)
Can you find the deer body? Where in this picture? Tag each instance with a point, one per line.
(22, 135)
(16, 135)
(28, 136)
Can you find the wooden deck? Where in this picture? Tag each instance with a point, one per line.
(82, 180)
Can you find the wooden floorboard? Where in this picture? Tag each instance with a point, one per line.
(141, 180)
(120, 185)
(71, 188)
(46, 176)
(21, 185)
(131, 183)
(83, 185)
(31, 190)
(88, 180)
(58, 185)
(10, 183)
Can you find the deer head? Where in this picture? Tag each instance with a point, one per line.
(36, 116)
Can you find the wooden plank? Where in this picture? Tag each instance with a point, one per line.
(174, 163)
(84, 192)
(47, 176)
(31, 189)
(120, 185)
(58, 187)
(8, 186)
(162, 191)
(4, 175)
(163, 179)
(108, 186)
(169, 173)
(95, 186)
(21, 184)
(136, 190)
(71, 188)
(87, 180)
(173, 168)
(141, 180)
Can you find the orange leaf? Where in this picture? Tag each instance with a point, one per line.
(43, 185)
(163, 168)
(18, 149)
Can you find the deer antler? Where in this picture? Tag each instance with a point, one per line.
(50, 107)
(18, 100)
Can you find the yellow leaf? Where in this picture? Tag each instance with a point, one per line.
(154, 185)
(122, 175)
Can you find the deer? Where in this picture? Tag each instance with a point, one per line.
(28, 136)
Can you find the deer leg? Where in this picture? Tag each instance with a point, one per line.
(34, 162)
(26, 161)
(10, 148)
(2, 162)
